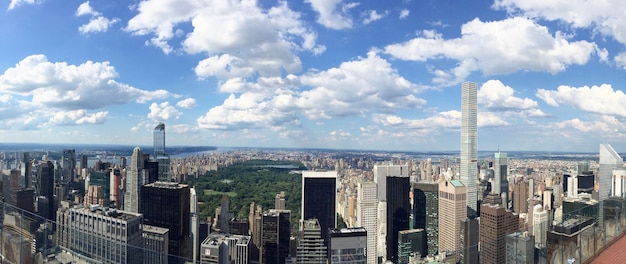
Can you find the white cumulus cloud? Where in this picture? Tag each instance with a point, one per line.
(496, 96)
(606, 17)
(333, 13)
(372, 16)
(163, 112)
(404, 13)
(601, 99)
(77, 117)
(97, 23)
(497, 47)
(90, 85)
(187, 103)
(15, 3)
(238, 36)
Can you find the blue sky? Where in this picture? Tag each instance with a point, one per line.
(380, 75)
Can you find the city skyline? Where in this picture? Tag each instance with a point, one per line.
(313, 74)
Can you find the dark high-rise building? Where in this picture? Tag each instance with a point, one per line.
(45, 183)
(319, 192)
(398, 210)
(495, 224)
(152, 169)
(159, 140)
(83, 162)
(238, 226)
(275, 233)
(69, 165)
(426, 214)
(469, 241)
(166, 204)
(27, 171)
(410, 244)
(162, 158)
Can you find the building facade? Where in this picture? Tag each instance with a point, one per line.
(469, 143)
(426, 213)
(319, 195)
(348, 245)
(452, 209)
(367, 210)
(495, 224)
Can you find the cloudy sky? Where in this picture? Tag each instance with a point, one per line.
(380, 75)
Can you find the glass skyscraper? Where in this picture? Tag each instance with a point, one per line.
(159, 140)
(469, 143)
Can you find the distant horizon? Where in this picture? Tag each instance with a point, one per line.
(293, 148)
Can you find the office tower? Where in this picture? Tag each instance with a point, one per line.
(469, 143)
(69, 165)
(115, 182)
(469, 241)
(348, 245)
(609, 160)
(83, 162)
(27, 171)
(94, 196)
(155, 241)
(275, 233)
(426, 213)
(159, 152)
(520, 196)
(279, 201)
(500, 183)
(45, 184)
(89, 231)
(311, 249)
(520, 248)
(255, 218)
(618, 184)
(495, 223)
(397, 211)
(134, 180)
(410, 245)
(194, 228)
(167, 205)
(159, 140)
(382, 171)
(367, 210)
(452, 209)
(224, 215)
(319, 193)
(102, 179)
(152, 170)
(122, 162)
(540, 225)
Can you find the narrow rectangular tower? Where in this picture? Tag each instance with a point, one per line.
(469, 143)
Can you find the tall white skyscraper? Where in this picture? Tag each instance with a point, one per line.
(469, 143)
(367, 216)
(134, 180)
(609, 160)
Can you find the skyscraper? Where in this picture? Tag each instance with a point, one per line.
(159, 140)
(469, 143)
(609, 160)
(69, 165)
(275, 233)
(348, 245)
(162, 158)
(134, 180)
(384, 170)
(319, 193)
(45, 188)
(311, 249)
(495, 224)
(367, 210)
(452, 209)
(500, 169)
(167, 205)
(426, 213)
(398, 211)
